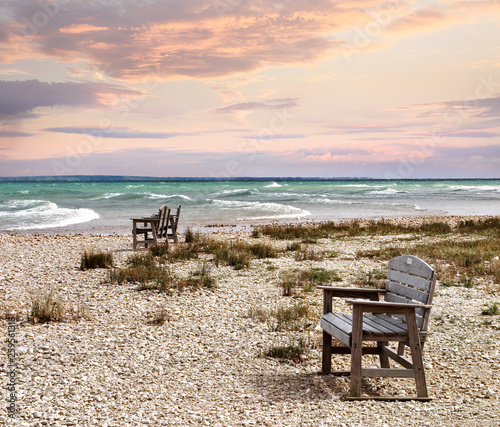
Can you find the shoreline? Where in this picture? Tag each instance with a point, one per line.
(248, 226)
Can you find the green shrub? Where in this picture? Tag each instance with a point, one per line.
(320, 275)
(491, 310)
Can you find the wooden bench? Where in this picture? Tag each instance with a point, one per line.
(171, 230)
(402, 317)
(151, 228)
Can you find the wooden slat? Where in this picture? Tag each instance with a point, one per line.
(387, 373)
(415, 281)
(412, 265)
(332, 325)
(388, 323)
(406, 291)
(380, 327)
(390, 297)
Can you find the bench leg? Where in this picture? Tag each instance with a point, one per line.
(416, 354)
(326, 363)
(384, 360)
(356, 350)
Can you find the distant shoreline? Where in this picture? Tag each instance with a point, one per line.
(248, 227)
(124, 178)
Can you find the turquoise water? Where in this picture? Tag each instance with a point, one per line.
(106, 207)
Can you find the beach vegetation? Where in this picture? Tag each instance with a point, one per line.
(491, 310)
(48, 307)
(330, 229)
(295, 317)
(159, 250)
(288, 282)
(91, 260)
(292, 247)
(374, 279)
(184, 251)
(160, 317)
(289, 348)
(201, 277)
(191, 237)
(145, 270)
(259, 314)
(306, 253)
(320, 275)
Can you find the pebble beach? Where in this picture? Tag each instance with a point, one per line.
(206, 364)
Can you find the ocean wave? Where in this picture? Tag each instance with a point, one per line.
(108, 196)
(273, 185)
(236, 192)
(164, 196)
(327, 201)
(387, 191)
(474, 188)
(272, 210)
(38, 214)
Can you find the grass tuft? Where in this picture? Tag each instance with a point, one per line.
(375, 278)
(491, 310)
(91, 259)
(292, 349)
(48, 307)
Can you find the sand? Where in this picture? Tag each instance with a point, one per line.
(206, 365)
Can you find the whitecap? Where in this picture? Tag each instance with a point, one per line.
(275, 210)
(45, 214)
(165, 196)
(107, 196)
(387, 191)
(273, 185)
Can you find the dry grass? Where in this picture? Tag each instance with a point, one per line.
(91, 259)
(48, 307)
(313, 231)
(289, 348)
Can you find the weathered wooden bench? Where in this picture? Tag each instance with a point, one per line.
(151, 228)
(402, 317)
(172, 224)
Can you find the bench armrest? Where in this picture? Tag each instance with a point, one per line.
(330, 292)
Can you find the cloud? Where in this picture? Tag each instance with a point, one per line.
(473, 134)
(14, 134)
(24, 96)
(13, 71)
(121, 133)
(194, 38)
(276, 136)
(81, 28)
(271, 104)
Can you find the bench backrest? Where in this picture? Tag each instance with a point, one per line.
(163, 220)
(411, 280)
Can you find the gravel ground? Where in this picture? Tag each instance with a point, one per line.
(205, 365)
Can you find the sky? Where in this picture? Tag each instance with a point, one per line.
(240, 88)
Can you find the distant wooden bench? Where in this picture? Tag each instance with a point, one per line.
(403, 317)
(172, 224)
(151, 228)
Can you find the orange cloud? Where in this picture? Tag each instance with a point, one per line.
(81, 28)
(197, 39)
